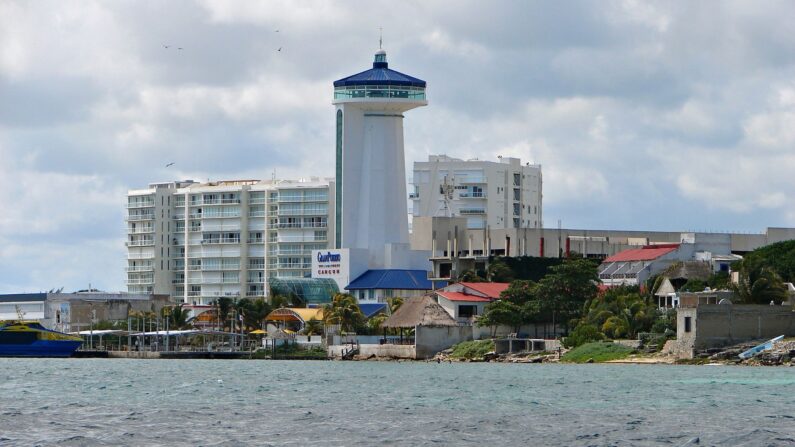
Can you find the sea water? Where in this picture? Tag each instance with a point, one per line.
(88, 402)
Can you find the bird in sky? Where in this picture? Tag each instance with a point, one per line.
(280, 49)
(179, 48)
(170, 164)
(166, 46)
(276, 31)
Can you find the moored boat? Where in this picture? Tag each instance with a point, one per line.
(31, 339)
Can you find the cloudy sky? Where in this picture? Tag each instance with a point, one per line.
(651, 116)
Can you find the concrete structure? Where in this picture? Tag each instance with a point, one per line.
(69, 312)
(456, 249)
(490, 195)
(708, 326)
(371, 212)
(200, 241)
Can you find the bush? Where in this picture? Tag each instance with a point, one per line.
(583, 333)
(598, 352)
(474, 349)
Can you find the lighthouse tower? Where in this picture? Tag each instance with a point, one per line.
(370, 165)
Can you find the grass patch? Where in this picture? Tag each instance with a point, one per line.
(598, 351)
(474, 349)
(292, 351)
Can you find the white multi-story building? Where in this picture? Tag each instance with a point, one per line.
(491, 195)
(200, 241)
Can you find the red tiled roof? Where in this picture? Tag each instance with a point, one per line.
(458, 296)
(490, 289)
(646, 253)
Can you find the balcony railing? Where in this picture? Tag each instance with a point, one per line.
(257, 214)
(464, 179)
(472, 195)
(140, 281)
(257, 267)
(467, 211)
(138, 217)
(215, 202)
(256, 201)
(219, 268)
(146, 243)
(301, 239)
(298, 265)
(140, 230)
(303, 212)
(298, 225)
(146, 204)
(140, 268)
(221, 241)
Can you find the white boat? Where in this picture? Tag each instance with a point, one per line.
(759, 348)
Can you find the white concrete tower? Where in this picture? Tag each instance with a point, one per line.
(370, 164)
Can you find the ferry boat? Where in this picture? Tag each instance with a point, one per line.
(31, 339)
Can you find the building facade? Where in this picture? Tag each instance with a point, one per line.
(493, 195)
(201, 241)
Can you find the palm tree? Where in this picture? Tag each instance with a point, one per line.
(313, 327)
(223, 306)
(255, 312)
(394, 304)
(344, 311)
(760, 286)
(177, 316)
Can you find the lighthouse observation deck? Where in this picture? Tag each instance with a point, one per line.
(380, 83)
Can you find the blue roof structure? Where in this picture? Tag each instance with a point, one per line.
(380, 74)
(371, 309)
(22, 297)
(393, 279)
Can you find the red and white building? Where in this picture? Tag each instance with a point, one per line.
(634, 266)
(466, 300)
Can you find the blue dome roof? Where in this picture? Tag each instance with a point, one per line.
(380, 74)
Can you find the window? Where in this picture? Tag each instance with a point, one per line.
(688, 323)
(516, 195)
(467, 311)
(517, 179)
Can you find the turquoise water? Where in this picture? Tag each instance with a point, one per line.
(87, 402)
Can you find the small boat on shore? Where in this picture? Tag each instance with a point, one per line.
(31, 339)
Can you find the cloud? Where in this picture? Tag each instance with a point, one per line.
(643, 115)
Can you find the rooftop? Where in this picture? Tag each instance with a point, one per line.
(459, 296)
(645, 253)
(392, 279)
(380, 74)
(490, 289)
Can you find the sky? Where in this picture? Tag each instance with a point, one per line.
(676, 116)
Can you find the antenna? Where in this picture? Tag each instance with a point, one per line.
(380, 37)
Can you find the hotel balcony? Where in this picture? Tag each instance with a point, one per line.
(140, 217)
(140, 281)
(145, 243)
(220, 241)
(144, 204)
(300, 239)
(472, 195)
(279, 225)
(140, 230)
(293, 266)
(309, 212)
(215, 202)
(140, 268)
(471, 211)
(219, 268)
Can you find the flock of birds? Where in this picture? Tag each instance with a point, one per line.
(180, 49)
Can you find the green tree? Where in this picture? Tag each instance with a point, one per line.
(394, 304)
(344, 311)
(759, 286)
(313, 327)
(498, 271)
(177, 316)
(470, 276)
(254, 313)
(566, 289)
(501, 312)
(223, 307)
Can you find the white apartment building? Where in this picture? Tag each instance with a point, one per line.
(200, 241)
(491, 195)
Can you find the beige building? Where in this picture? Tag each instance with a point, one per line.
(487, 194)
(200, 241)
(456, 248)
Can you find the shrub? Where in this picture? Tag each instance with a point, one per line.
(474, 349)
(582, 334)
(598, 352)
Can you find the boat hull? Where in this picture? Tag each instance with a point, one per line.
(40, 348)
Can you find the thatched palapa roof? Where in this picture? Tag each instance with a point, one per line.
(688, 270)
(419, 311)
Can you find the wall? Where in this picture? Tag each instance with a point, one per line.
(380, 351)
(431, 339)
(718, 325)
